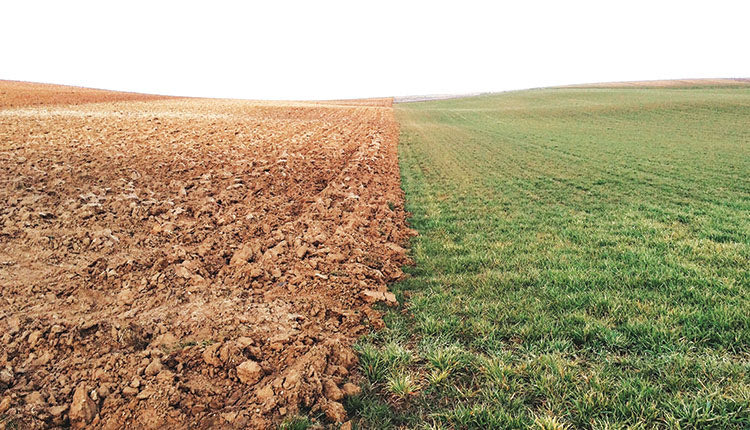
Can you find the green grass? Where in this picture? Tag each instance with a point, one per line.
(582, 262)
(296, 423)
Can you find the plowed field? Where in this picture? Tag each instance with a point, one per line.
(190, 262)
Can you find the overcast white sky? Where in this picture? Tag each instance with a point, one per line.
(349, 49)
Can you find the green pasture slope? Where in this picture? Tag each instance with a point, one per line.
(583, 261)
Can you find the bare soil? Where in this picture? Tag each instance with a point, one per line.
(187, 262)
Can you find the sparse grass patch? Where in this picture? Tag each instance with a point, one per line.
(296, 423)
(377, 364)
(582, 263)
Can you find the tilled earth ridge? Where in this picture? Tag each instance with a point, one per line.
(191, 263)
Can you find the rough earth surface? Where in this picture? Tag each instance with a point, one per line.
(187, 262)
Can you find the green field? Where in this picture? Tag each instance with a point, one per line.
(582, 262)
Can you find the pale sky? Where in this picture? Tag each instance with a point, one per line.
(350, 49)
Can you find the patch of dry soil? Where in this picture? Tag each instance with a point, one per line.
(192, 263)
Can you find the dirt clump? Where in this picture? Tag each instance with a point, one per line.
(191, 263)
(82, 409)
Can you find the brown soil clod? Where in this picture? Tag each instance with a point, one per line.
(190, 263)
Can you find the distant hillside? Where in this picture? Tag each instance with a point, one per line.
(676, 83)
(429, 97)
(18, 94)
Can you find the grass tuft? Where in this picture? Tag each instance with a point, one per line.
(402, 385)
